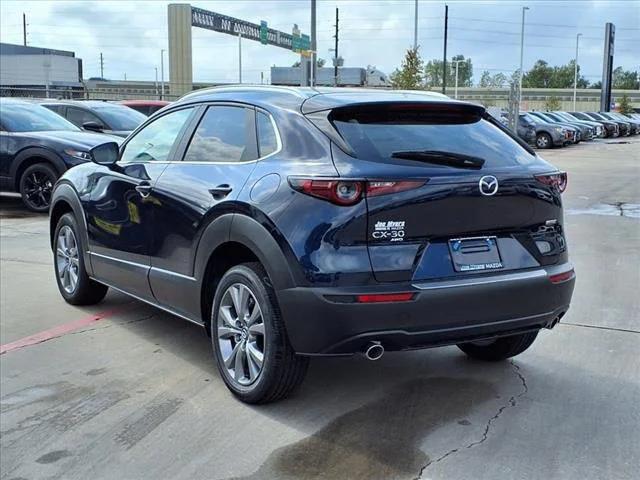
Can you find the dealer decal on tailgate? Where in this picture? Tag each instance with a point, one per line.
(391, 230)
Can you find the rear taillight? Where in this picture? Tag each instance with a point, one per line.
(350, 192)
(381, 187)
(557, 180)
(339, 192)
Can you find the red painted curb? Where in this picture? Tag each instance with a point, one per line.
(57, 331)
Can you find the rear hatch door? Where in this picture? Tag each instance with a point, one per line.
(473, 201)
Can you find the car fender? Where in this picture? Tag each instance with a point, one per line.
(65, 192)
(242, 229)
(261, 241)
(30, 152)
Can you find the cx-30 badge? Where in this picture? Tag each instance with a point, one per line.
(488, 185)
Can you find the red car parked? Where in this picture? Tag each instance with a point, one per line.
(146, 107)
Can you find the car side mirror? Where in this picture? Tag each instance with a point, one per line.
(93, 126)
(105, 154)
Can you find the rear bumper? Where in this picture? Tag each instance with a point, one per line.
(322, 321)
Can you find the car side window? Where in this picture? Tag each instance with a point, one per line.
(154, 142)
(267, 137)
(224, 134)
(79, 117)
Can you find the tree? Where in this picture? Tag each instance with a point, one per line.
(320, 62)
(487, 80)
(552, 104)
(433, 72)
(542, 75)
(624, 79)
(410, 74)
(625, 104)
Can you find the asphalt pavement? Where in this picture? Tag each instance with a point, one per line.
(121, 390)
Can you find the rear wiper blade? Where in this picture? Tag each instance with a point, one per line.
(441, 158)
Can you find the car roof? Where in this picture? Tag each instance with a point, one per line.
(160, 103)
(79, 103)
(308, 99)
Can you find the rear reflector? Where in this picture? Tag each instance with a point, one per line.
(385, 297)
(562, 277)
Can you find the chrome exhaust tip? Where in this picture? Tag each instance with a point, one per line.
(374, 351)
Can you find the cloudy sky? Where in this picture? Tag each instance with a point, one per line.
(130, 34)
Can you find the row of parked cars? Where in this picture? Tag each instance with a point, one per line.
(41, 138)
(557, 129)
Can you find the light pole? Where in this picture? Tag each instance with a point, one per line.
(575, 73)
(239, 58)
(156, 83)
(455, 92)
(524, 9)
(162, 74)
(415, 27)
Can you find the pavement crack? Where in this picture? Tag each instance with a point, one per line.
(20, 260)
(512, 402)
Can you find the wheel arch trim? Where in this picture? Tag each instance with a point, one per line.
(65, 192)
(35, 152)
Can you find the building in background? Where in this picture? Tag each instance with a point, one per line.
(39, 72)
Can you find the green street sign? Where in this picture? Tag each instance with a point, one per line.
(305, 42)
(263, 32)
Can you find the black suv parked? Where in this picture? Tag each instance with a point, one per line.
(97, 116)
(293, 223)
(36, 147)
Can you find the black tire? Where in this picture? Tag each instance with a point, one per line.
(501, 348)
(543, 140)
(36, 186)
(282, 371)
(86, 290)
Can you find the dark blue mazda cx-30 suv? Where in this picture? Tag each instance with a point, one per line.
(293, 223)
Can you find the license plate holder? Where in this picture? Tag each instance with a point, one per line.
(475, 254)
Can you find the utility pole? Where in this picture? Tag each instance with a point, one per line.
(524, 9)
(457, 62)
(239, 58)
(24, 29)
(162, 74)
(101, 66)
(444, 57)
(415, 27)
(335, 51)
(575, 73)
(313, 42)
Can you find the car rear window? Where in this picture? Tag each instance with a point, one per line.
(375, 132)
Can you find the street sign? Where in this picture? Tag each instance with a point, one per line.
(260, 33)
(264, 32)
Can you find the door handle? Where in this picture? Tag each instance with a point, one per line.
(144, 189)
(221, 191)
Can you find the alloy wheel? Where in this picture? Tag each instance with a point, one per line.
(241, 334)
(67, 259)
(37, 189)
(542, 141)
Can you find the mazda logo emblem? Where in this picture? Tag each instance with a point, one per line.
(488, 185)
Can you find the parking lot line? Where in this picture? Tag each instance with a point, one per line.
(57, 331)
